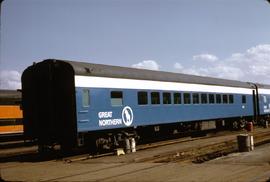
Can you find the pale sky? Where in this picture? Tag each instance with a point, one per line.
(220, 38)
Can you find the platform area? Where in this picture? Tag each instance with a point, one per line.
(248, 166)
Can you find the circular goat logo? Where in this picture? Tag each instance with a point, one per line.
(127, 116)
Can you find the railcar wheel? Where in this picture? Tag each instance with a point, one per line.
(242, 124)
(235, 125)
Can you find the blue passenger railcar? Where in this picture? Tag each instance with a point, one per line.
(103, 108)
(74, 103)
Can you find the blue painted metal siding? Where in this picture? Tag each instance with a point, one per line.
(88, 117)
(264, 104)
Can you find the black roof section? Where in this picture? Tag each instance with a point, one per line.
(10, 94)
(263, 86)
(10, 97)
(90, 69)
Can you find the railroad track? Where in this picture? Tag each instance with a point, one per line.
(202, 153)
(206, 152)
(197, 154)
(7, 137)
(140, 147)
(16, 144)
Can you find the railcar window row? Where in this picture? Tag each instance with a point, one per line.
(168, 97)
(188, 98)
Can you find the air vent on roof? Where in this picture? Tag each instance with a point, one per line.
(87, 70)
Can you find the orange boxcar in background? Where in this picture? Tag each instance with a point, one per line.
(10, 112)
(10, 119)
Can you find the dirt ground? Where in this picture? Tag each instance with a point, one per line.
(250, 166)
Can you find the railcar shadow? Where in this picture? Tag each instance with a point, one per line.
(36, 156)
(32, 157)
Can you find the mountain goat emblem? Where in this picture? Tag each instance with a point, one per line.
(127, 116)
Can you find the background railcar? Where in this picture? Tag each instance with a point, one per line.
(10, 112)
(263, 101)
(74, 103)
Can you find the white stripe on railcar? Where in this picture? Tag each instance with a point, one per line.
(121, 83)
(263, 91)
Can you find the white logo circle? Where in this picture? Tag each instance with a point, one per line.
(127, 116)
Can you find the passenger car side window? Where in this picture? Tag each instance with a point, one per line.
(142, 98)
(195, 98)
(244, 99)
(177, 98)
(218, 99)
(167, 98)
(204, 98)
(264, 99)
(225, 99)
(211, 98)
(231, 99)
(187, 98)
(155, 99)
(116, 98)
(85, 98)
